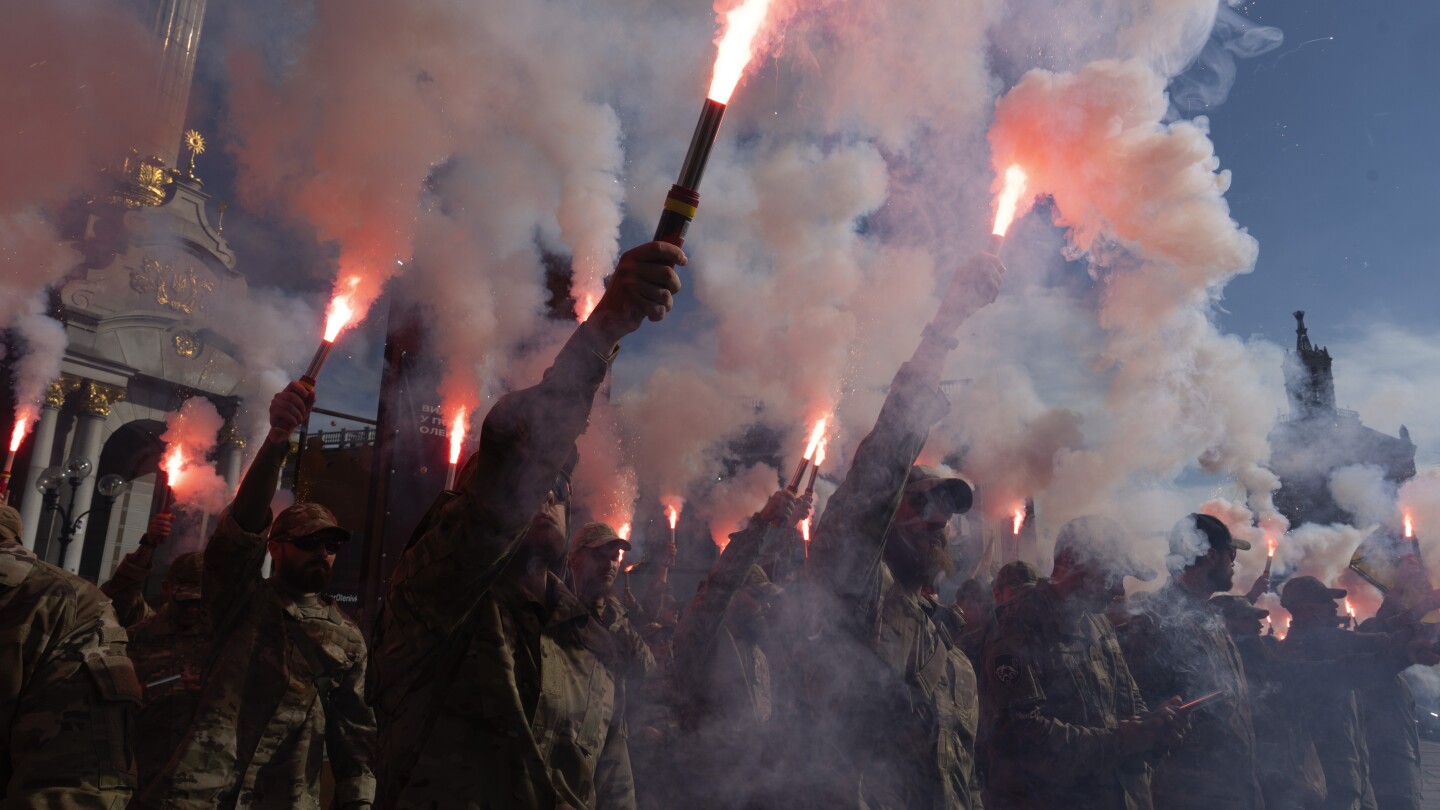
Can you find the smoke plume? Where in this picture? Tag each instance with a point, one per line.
(194, 429)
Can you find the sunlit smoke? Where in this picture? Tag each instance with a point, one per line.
(1017, 520)
(736, 47)
(1007, 205)
(342, 308)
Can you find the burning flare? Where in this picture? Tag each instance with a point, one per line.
(674, 515)
(457, 434)
(1017, 520)
(1409, 522)
(1008, 202)
(342, 308)
(22, 426)
(174, 465)
(736, 47)
(816, 435)
(584, 307)
(1270, 545)
(623, 532)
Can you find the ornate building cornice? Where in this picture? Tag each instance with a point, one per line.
(230, 434)
(96, 398)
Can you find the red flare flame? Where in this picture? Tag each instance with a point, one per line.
(621, 558)
(805, 529)
(1017, 520)
(457, 435)
(736, 47)
(1409, 522)
(674, 515)
(174, 464)
(816, 435)
(584, 307)
(17, 436)
(820, 452)
(1349, 608)
(1270, 545)
(342, 308)
(623, 532)
(1008, 203)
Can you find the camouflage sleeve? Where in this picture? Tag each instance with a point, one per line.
(524, 443)
(614, 780)
(1048, 747)
(701, 623)
(851, 533)
(234, 559)
(350, 739)
(69, 742)
(126, 589)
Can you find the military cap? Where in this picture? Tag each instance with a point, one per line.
(1307, 591)
(10, 526)
(757, 581)
(597, 535)
(954, 492)
(1100, 541)
(1206, 529)
(1237, 607)
(306, 519)
(1016, 574)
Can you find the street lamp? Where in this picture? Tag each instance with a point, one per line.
(73, 473)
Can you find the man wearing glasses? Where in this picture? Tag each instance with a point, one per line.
(283, 690)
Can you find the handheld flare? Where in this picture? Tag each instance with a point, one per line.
(816, 434)
(457, 442)
(1270, 553)
(174, 467)
(337, 317)
(683, 200)
(1007, 205)
(16, 437)
(815, 467)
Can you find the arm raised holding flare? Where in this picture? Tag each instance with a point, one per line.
(453, 680)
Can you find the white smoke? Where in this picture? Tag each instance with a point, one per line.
(195, 428)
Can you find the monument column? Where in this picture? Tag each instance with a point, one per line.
(232, 447)
(40, 454)
(95, 401)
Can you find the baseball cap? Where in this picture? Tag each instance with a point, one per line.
(1016, 574)
(186, 570)
(1103, 542)
(306, 519)
(10, 526)
(597, 535)
(757, 581)
(953, 491)
(1213, 531)
(1237, 607)
(1308, 590)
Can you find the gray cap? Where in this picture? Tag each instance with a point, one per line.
(1101, 542)
(1308, 590)
(956, 491)
(597, 535)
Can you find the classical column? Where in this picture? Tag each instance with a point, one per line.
(95, 401)
(40, 452)
(232, 447)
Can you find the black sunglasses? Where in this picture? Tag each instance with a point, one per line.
(561, 488)
(311, 543)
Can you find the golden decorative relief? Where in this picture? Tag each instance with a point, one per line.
(187, 344)
(230, 434)
(142, 182)
(183, 290)
(96, 398)
(55, 395)
(195, 143)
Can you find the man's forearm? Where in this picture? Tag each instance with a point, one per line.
(252, 500)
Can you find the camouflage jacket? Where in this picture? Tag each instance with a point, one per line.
(283, 691)
(126, 590)
(1331, 708)
(904, 718)
(1056, 687)
(67, 691)
(1177, 645)
(169, 662)
(488, 696)
(1391, 734)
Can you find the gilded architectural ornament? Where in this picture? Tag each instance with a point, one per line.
(96, 398)
(230, 434)
(55, 395)
(184, 290)
(195, 144)
(187, 344)
(142, 181)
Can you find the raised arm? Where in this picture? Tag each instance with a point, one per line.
(852, 531)
(126, 589)
(235, 554)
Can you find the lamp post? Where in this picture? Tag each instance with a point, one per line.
(73, 473)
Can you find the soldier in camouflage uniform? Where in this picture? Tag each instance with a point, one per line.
(1068, 727)
(283, 692)
(594, 562)
(67, 690)
(1332, 712)
(888, 692)
(126, 588)
(723, 681)
(1177, 645)
(493, 684)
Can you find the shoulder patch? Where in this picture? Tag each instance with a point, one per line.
(1007, 669)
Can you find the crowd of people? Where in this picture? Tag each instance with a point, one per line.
(507, 670)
